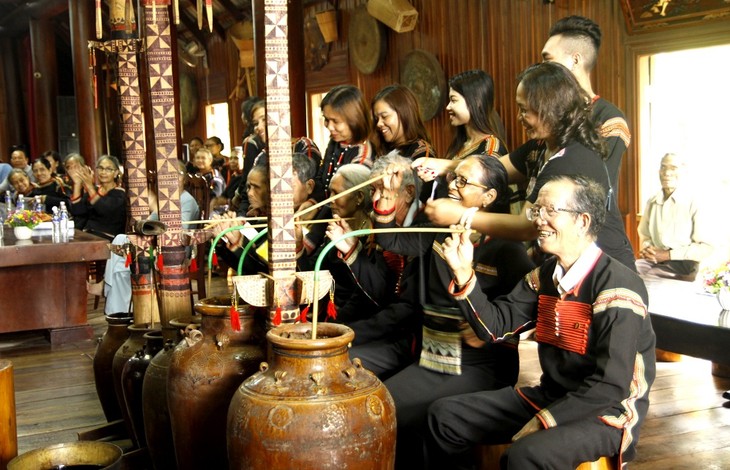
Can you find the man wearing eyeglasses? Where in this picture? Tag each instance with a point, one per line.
(595, 344)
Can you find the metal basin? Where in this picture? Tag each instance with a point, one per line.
(85, 455)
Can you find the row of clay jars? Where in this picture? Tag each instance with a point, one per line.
(135, 342)
(158, 430)
(116, 334)
(204, 372)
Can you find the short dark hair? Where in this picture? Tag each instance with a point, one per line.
(494, 175)
(589, 197)
(304, 167)
(349, 101)
(583, 30)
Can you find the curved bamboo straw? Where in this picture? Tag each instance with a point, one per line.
(339, 195)
(215, 221)
(248, 247)
(357, 233)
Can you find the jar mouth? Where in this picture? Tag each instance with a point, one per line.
(299, 336)
(74, 453)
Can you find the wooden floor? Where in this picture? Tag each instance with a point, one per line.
(688, 425)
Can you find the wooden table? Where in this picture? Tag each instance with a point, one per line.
(688, 321)
(43, 284)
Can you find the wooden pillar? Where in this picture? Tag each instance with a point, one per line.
(11, 128)
(89, 117)
(45, 86)
(259, 34)
(297, 91)
(8, 427)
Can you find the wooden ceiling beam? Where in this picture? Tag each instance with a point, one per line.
(192, 27)
(232, 10)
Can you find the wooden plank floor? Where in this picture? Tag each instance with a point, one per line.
(688, 426)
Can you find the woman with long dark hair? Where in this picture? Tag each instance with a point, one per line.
(556, 114)
(471, 114)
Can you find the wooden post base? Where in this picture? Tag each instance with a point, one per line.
(8, 426)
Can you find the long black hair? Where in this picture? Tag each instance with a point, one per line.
(562, 105)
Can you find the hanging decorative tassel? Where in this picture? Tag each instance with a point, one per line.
(214, 260)
(199, 9)
(303, 314)
(160, 261)
(277, 314)
(193, 265)
(235, 317)
(98, 19)
(209, 11)
(128, 260)
(331, 311)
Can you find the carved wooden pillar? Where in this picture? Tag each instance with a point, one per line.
(282, 258)
(297, 91)
(45, 86)
(91, 131)
(161, 69)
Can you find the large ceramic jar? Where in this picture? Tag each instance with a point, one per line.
(204, 372)
(133, 378)
(116, 334)
(134, 343)
(158, 431)
(311, 407)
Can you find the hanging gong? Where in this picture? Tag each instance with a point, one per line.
(367, 41)
(422, 73)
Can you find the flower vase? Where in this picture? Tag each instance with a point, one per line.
(723, 296)
(22, 233)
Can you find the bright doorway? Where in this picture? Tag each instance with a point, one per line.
(683, 101)
(217, 124)
(683, 98)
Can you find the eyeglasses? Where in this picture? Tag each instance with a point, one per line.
(460, 181)
(545, 212)
(105, 169)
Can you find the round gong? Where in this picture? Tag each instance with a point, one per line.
(367, 38)
(422, 73)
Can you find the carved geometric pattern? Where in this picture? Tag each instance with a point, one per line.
(164, 121)
(282, 260)
(133, 136)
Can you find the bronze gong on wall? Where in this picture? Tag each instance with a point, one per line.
(367, 41)
(422, 73)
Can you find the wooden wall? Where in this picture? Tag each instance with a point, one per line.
(500, 36)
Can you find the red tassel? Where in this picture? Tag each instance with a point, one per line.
(277, 316)
(331, 311)
(303, 314)
(235, 319)
(215, 259)
(160, 262)
(193, 265)
(128, 261)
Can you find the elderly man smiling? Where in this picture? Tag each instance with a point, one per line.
(595, 344)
